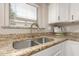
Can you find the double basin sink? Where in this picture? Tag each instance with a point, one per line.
(30, 42)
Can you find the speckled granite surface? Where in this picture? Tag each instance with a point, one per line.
(6, 42)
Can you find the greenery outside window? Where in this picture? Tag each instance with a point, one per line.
(22, 14)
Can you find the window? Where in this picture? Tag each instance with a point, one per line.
(22, 14)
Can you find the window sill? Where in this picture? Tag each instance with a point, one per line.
(18, 27)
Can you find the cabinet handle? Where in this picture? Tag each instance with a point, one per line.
(72, 17)
(58, 17)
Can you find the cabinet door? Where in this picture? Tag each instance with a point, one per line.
(53, 12)
(64, 12)
(72, 48)
(74, 11)
(59, 12)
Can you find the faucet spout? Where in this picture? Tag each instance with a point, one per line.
(34, 24)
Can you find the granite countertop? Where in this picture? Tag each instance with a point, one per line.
(8, 50)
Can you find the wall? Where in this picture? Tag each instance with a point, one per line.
(44, 16)
(72, 28)
(42, 19)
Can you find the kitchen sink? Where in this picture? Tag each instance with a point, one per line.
(30, 42)
(43, 40)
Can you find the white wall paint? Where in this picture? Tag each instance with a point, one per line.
(72, 28)
(42, 19)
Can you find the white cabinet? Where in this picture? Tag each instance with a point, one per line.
(64, 12)
(72, 48)
(56, 50)
(69, 12)
(74, 11)
(53, 12)
(58, 12)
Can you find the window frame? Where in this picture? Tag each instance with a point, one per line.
(23, 19)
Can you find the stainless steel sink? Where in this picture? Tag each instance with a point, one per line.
(43, 40)
(24, 44)
(29, 43)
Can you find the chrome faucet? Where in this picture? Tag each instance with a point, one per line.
(34, 24)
